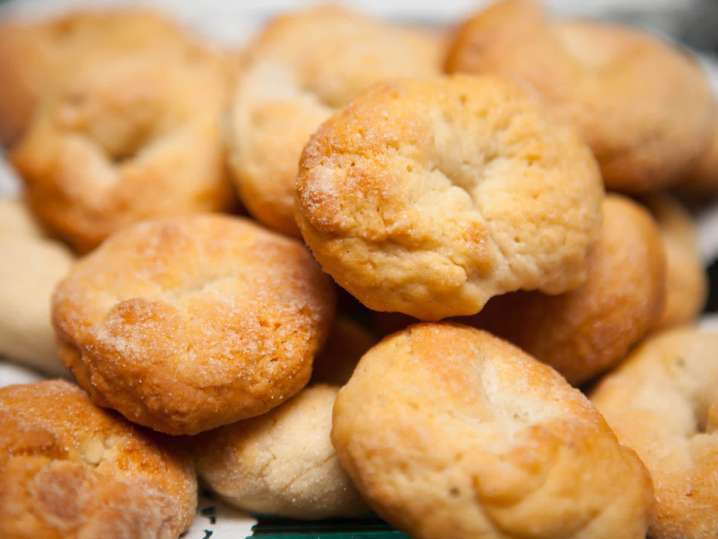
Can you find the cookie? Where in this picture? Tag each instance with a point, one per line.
(663, 402)
(36, 57)
(190, 323)
(71, 470)
(448, 431)
(429, 197)
(643, 106)
(588, 330)
(301, 68)
(281, 463)
(124, 141)
(32, 265)
(687, 283)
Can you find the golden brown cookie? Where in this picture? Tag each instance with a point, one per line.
(190, 323)
(302, 67)
(643, 106)
(346, 344)
(590, 329)
(687, 283)
(281, 463)
(36, 57)
(32, 264)
(71, 470)
(122, 140)
(448, 431)
(663, 402)
(430, 197)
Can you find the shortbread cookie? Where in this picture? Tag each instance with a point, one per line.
(190, 323)
(301, 68)
(643, 106)
(130, 139)
(32, 264)
(281, 463)
(448, 431)
(588, 330)
(71, 470)
(663, 402)
(430, 197)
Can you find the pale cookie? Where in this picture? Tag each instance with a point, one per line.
(588, 330)
(663, 402)
(136, 137)
(32, 264)
(69, 470)
(301, 68)
(430, 197)
(686, 279)
(449, 432)
(281, 463)
(190, 323)
(643, 106)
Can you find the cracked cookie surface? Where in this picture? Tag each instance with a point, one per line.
(430, 197)
(190, 323)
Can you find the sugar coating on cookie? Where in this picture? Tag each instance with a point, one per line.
(281, 463)
(32, 265)
(448, 431)
(643, 106)
(686, 279)
(429, 197)
(37, 56)
(588, 330)
(663, 403)
(301, 68)
(69, 469)
(123, 140)
(190, 323)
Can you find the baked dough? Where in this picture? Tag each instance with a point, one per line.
(301, 68)
(281, 463)
(69, 470)
(663, 402)
(190, 323)
(644, 107)
(448, 431)
(123, 141)
(687, 283)
(429, 197)
(32, 264)
(36, 57)
(588, 330)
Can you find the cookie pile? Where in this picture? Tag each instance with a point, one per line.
(444, 276)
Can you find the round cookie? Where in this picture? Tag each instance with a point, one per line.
(71, 470)
(686, 280)
(35, 57)
(32, 265)
(430, 197)
(644, 107)
(663, 402)
(281, 463)
(588, 330)
(448, 431)
(301, 68)
(124, 141)
(346, 344)
(190, 323)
